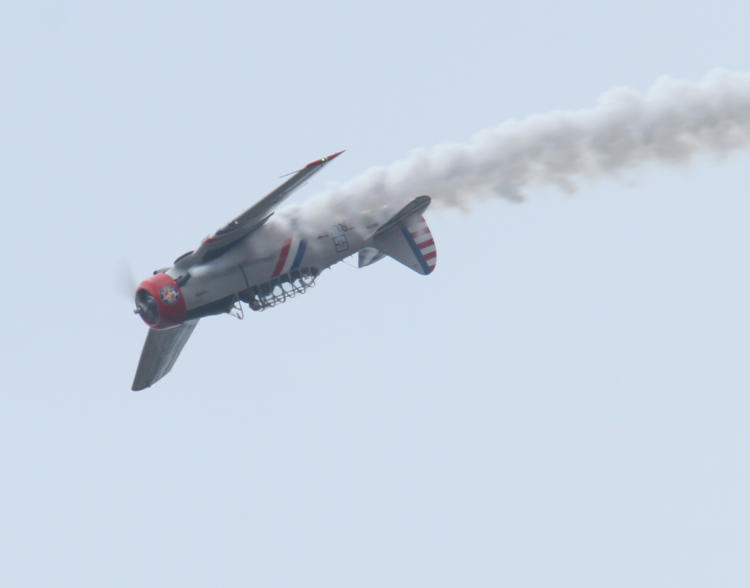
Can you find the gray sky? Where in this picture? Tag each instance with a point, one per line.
(562, 403)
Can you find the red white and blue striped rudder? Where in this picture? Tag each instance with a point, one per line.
(423, 243)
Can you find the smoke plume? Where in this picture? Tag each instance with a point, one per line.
(669, 124)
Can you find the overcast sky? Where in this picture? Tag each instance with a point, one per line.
(563, 402)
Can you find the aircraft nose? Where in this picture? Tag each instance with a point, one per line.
(160, 302)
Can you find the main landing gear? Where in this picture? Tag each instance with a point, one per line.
(280, 289)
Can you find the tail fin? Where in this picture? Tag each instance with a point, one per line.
(406, 238)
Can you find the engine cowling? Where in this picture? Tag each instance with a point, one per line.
(160, 302)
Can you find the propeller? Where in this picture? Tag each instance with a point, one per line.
(125, 281)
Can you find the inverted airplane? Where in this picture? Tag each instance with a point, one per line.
(264, 261)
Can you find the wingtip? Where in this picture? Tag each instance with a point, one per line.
(325, 159)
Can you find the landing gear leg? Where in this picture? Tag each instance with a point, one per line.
(237, 311)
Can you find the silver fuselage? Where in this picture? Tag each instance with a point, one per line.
(286, 244)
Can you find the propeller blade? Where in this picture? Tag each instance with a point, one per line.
(125, 281)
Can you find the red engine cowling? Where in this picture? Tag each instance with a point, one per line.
(160, 302)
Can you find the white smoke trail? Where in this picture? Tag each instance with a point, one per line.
(670, 123)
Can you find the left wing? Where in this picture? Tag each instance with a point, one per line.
(160, 351)
(252, 218)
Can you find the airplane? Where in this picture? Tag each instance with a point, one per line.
(263, 259)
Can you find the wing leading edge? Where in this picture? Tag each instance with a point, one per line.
(253, 217)
(160, 351)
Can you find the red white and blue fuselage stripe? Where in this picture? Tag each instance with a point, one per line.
(284, 256)
(300, 254)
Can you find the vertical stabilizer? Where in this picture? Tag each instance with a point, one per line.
(406, 238)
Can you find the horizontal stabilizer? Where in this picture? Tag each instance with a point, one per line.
(416, 206)
(369, 255)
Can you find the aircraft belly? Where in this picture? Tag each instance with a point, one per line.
(272, 254)
(205, 287)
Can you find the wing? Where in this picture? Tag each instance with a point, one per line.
(252, 218)
(160, 351)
